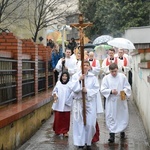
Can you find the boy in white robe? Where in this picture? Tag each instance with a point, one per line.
(95, 69)
(78, 62)
(123, 62)
(83, 134)
(107, 61)
(95, 64)
(67, 64)
(61, 92)
(105, 64)
(116, 111)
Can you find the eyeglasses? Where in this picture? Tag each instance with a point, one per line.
(113, 71)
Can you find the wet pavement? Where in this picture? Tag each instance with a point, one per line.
(136, 138)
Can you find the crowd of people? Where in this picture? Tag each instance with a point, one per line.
(72, 86)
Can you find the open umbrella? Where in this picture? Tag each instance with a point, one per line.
(101, 51)
(103, 46)
(102, 39)
(121, 43)
(89, 47)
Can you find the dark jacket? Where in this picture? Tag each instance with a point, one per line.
(55, 57)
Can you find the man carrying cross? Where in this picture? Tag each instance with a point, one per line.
(83, 133)
(85, 96)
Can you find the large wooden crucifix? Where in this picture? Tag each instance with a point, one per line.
(81, 26)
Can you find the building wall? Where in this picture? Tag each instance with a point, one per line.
(138, 35)
(141, 85)
(74, 32)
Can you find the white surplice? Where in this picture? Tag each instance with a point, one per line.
(78, 63)
(116, 111)
(83, 134)
(105, 66)
(121, 65)
(70, 63)
(63, 92)
(95, 69)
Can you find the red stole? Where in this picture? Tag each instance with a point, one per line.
(124, 61)
(108, 62)
(94, 63)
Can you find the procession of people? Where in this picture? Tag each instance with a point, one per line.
(80, 91)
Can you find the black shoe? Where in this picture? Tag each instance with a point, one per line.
(88, 148)
(122, 135)
(111, 138)
(80, 147)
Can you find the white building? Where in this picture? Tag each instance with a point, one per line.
(139, 36)
(141, 71)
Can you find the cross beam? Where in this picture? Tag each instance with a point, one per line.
(81, 26)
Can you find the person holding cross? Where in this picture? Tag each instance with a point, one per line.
(85, 96)
(66, 64)
(83, 134)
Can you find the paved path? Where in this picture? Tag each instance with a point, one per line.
(136, 138)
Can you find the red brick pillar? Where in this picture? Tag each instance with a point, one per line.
(35, 58)
(43, 51)
(30, 48)
(49, 52)
(145, 59)
(10, 43)
(50, 57)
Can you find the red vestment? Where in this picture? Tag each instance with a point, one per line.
(61, 122)
(97, 134)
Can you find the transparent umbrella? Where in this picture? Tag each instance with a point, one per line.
(121, 43)
(101, 51)
(102, 39)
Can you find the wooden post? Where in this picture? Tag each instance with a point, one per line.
(81, 26)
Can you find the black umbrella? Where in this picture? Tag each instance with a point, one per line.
(89, 47)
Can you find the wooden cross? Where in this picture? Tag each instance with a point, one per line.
(81, 26)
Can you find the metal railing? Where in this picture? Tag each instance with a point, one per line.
(41, 76)
(7, 80)
(27, 78)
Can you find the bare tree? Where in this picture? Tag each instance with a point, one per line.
(44, 13)
(9, 13)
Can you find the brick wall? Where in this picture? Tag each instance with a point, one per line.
(9, 44)
(34, 109)
(18, 49)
